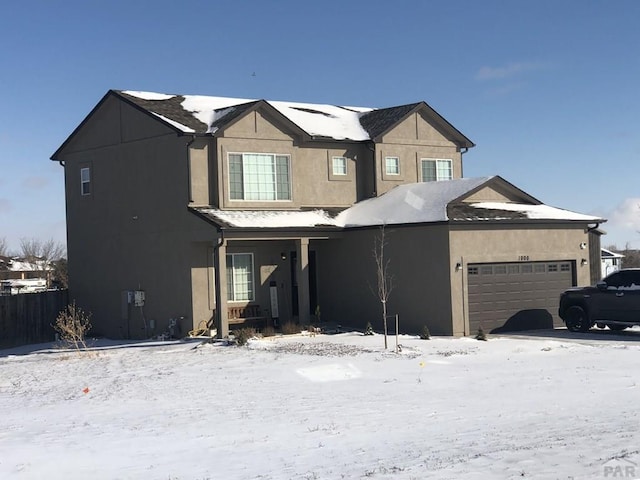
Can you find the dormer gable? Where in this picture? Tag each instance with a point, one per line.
(416, 121)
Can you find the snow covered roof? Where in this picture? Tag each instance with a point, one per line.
(21, 265)
(267, 218)
(510, 211)
(207, 114)
(411, 203)
(604, 253)
(427, 202)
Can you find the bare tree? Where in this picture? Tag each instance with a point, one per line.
(33, 249)
(4, 249)
(631, 257)
(385, 279)
(41, 254)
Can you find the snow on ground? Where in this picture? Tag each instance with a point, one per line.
(325, 407)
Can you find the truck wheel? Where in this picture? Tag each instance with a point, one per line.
(577, 319)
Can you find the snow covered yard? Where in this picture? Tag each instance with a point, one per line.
(325, 407)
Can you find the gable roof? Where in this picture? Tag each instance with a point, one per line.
(604, 253)
(379, 121)
(207, 114)
(432, 202)
(412, 203)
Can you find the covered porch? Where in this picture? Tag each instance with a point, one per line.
(263, 268)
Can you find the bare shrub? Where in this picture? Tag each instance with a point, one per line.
(481, 335)
(72, 325)
(243, 335)
(368, 329)
(425, 334)
(290, 328)
(268, 331)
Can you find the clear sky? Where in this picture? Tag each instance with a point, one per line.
(548, 90)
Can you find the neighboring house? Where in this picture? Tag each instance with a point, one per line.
(611, 261)
(213, 208)
(19, 275)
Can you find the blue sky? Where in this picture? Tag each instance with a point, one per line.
(548, 90)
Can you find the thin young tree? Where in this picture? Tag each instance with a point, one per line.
(384, 278)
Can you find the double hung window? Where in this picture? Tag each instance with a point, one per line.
(85, 181)
(392, 165)
(339, 165)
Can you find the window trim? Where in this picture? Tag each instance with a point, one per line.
(231, 291)
(84, 181)
(436, 161)
(275, 185)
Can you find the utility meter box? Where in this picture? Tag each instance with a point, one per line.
(138, 298)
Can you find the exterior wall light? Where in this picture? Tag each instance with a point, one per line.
(583, 262)
(458, 267)
(283, 256)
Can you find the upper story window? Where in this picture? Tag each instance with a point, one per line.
(85, 181)
(240, 277)
(392, 165)
(436, 169)
(339, 165)
(259, 176)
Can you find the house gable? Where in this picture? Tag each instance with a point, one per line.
(498, 190)
(112, 122)
(415, 128)
(416, 122)
(260, 122)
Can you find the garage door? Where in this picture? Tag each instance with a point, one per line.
(516, 296)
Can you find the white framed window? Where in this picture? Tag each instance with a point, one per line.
(259, 176)
(392, 165)
(85, 181)
(240, 277)
(436, 169)
(339, 165)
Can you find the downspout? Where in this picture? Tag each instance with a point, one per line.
(463, 150)
(218, 277)
(193, 139)
(372, 148)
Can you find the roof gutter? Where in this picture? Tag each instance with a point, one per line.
(591, 229)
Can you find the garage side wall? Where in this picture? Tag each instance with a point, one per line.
(419, 264)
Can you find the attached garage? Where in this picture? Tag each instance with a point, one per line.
(517, 296)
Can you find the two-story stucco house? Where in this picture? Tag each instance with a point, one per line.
(219, 207)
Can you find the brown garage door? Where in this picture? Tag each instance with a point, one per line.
(516, 296)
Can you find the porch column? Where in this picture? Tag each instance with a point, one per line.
(302, 250)
(220, 272)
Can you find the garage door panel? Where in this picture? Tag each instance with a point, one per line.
(516, 296)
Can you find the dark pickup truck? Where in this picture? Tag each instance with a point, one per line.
(613, 302)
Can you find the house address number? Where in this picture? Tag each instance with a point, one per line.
(523, 258)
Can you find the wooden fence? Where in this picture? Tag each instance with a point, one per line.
(28, 317)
